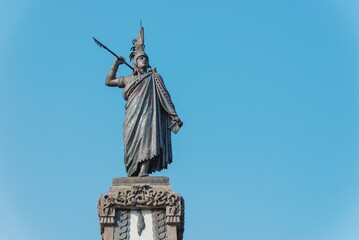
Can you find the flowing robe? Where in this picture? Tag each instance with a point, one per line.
(146, 126)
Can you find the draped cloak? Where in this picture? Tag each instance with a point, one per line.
(146, 126)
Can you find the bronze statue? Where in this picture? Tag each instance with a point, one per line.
(150, 113)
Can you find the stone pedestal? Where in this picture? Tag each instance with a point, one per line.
(141, 208)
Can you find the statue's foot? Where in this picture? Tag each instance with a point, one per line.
(144, 169)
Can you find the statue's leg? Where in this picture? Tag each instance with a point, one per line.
(144, 169)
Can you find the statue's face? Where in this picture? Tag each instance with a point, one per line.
(142, 62)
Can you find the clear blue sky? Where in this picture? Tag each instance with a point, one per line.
(267, 90)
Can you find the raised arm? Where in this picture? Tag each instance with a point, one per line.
(111, 79)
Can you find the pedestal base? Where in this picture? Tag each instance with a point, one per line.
(141, 208)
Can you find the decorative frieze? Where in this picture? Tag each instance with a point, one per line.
(167, 209)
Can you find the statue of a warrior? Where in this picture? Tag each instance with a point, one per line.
(150, 114)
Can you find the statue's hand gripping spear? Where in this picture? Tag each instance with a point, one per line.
(122, 59)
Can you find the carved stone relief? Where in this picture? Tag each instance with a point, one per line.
(167, 209)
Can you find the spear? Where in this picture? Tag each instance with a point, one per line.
(118, 57)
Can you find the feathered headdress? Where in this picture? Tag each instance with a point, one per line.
(138, 48)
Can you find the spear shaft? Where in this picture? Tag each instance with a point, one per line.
(109, 50)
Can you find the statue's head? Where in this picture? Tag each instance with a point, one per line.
(142, 61)
(138, 56)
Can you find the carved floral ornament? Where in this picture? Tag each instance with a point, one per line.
(141, 197)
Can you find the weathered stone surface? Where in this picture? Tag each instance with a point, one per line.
(131, 198)
(127, 181)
